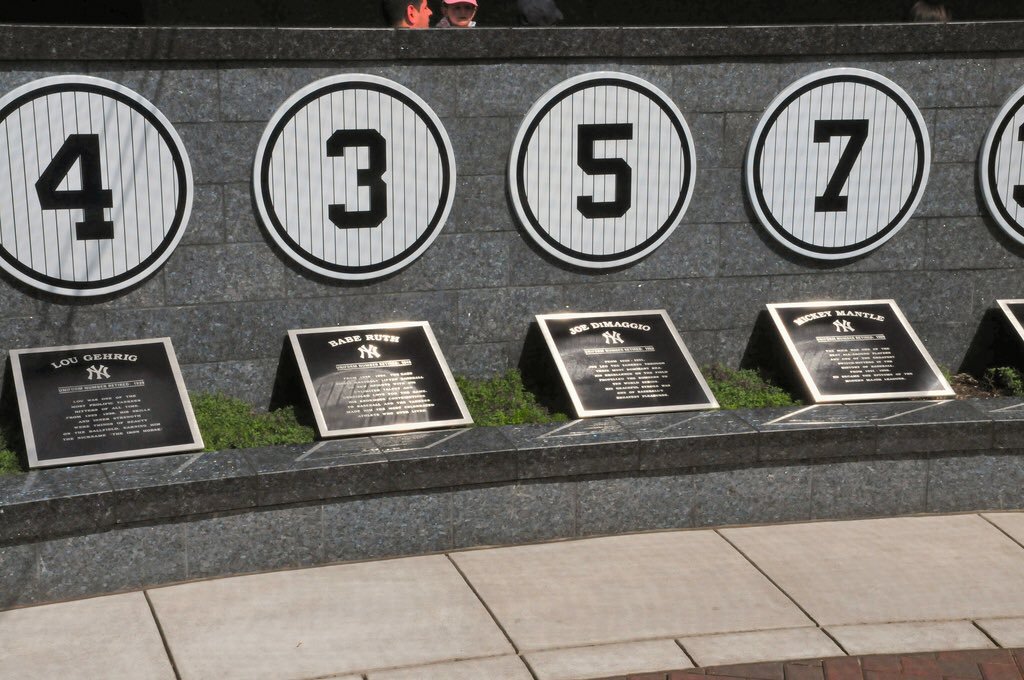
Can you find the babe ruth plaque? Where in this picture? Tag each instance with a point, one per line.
(857, 350)
(102, 401)
(601, 170)
(96, 189)
(620, 363)
(380, 378)
(354, 177)
(838, 163)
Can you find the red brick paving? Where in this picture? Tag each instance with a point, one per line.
(981, 664)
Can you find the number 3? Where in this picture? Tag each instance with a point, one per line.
(371, 177)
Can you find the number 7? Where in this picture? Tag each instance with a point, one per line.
(824, 130)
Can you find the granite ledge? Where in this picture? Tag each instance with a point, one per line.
(77, 43)
(55, 502)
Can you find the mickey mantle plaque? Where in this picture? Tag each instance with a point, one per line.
(82, 403)
(379, 378)
(620, 363)
(857, 350)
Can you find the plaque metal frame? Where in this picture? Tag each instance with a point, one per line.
(570, 388)
(808, 380)
(318, 414)
(28, 430)
(1004, 305)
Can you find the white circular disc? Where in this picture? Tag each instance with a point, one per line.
(601, 170)
(354, 177)
(838, 163)
(98, 187)
(1001, 166)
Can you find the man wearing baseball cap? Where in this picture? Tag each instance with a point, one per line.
(457, 14)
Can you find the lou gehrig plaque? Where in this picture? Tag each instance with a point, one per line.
(857, 351)
(619, 363)
(84, 403)
(380, 378)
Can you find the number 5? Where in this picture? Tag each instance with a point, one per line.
(589, 135)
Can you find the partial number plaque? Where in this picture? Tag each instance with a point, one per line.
(618, 363)
(354, 177)
(857, 350)
(84, 403)
(382, 378)
(1002, 167)
(601, 170)
(838, 163)
(97, 186)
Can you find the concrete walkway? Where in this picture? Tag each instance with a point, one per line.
(559, 611)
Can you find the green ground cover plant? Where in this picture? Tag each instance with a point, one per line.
(1005, 379)
(745, 388)
(230, 423)
(503, 400)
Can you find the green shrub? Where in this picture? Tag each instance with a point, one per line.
(9, 463)
(229, 423)
(502, 400)
(745, 388)
(1005, 379)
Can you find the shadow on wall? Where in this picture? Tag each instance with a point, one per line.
(367, 13)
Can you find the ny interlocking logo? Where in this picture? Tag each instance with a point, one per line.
(612, 338)
(100, 372)
(843, 326)
(369, 352)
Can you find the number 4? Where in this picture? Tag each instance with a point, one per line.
(91, 199)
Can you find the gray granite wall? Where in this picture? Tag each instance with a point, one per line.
(227, 297)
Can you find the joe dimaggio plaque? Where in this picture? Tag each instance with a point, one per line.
(103, 401)
(381, 378)
(857, 351)
(618, 363)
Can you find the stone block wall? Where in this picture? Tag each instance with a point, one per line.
(227, 296)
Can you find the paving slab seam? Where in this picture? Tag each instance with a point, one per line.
(688, 655)
(999, 528)
(777, 586)
(163, 636)
(490, 613)
(986, 634)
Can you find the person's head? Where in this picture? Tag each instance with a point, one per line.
(460, 13)
(923, 10)
(407, 13)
